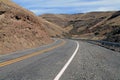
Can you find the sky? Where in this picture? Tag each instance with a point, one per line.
(68, 6)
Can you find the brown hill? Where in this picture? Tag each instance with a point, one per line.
(54, 30)
(19, 28)
(93, 25)
(59, 19)
(110, 28)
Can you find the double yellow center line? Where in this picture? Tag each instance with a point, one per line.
(30, 55)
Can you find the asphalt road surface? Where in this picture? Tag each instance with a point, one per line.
(62, 60)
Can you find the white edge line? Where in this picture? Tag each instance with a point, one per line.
(67, 64)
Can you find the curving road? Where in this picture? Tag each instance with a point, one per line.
(62, 60)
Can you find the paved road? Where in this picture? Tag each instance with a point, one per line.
(68, 60)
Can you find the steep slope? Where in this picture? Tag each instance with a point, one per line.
(57, 19)
(19, 28)
(110, 28)
(54, 30)
(93, 25)
(82, 26)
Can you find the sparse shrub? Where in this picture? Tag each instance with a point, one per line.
(17, 18)
(96, 33)
(114, 35)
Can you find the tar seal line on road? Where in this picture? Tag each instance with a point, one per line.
(2, 64)
(68, 63)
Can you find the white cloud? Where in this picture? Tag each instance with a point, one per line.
(106, 9)
(38, 6)
(73, 3)
(35, 11)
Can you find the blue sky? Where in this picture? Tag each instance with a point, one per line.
(68, 6)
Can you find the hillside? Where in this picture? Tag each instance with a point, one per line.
(110, 28)
(58, 19)
(92, 25)
(54, 30)
(19, 28)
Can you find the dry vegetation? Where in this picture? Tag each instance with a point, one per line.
(19, 28)
(93, 25)
(54, 30)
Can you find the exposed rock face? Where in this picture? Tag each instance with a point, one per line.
(19, 28)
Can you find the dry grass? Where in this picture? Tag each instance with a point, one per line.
(20, 29)
(53, 29)
(99, 24)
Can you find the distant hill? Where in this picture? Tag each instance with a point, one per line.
(54, 30)
(19, 28)
(92, 25)
(58, 19)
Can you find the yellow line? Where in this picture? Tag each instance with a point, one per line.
(30, 55)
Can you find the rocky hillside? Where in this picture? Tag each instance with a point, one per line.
(110, 28)
(93, 25)
(19, 28)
